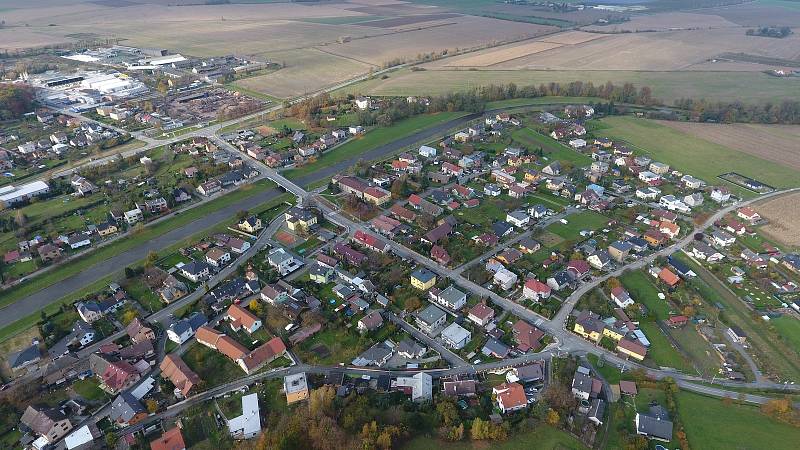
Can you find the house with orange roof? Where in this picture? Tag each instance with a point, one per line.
(668, 277)
(241, 318)
(171, 440)
(181, 376)
(510, 397)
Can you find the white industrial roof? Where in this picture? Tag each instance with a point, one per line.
(11, 192)
(249, 423)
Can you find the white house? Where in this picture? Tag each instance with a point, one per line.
(577, 143)
(621, 297)
(720, 194)
(518, 218)
(133, 216)
(455, 336)
(505, 278)
(672, 203)
(450, 297)
(428, 152)
(648, 193)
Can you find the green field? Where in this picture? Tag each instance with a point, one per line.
(543, 437)
(789, 329)
(642, 289)
(666, 86)
(342, 20)
(373, 139)
(701, 158)
(711, 424)
(553, 149)
(585, 220)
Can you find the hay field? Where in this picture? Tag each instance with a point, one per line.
(666, 22)
(306, 70)
(461, 32)
(775, 13)
(783, 214)
(674, 50)
(777, 143)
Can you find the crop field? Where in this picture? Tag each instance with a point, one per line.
(673, 50)
(775, 12)
(701, 158)
(665, 22)
(783, 214)
(496, 56)
(306, 70)
(777, 143)
(461, 32)
(743, 427)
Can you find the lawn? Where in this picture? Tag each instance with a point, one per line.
(553, 149)
(89, 389)
(681, 151)
(642, 289)
(789, 328)
(542, 437)
(373, 139)
(213, 367)
(585, 220)
(661, 352)
(490, 210)
(342, 346)
(711, 424)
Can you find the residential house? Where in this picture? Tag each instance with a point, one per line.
(181, 376)
(430, 319)
(481, 314)
(526, 336)
(536, 290)
(423, 279)
(510, 397)
(370, 322)
(451, 297)
(241, 318)
(455, 336)
(49, 423)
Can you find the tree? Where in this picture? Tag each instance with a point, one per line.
(553, 418)
(128, 316)
(151, 259)
(448, 413)
(320, 402)
(21, 219)
(152, 405)
(111, 439)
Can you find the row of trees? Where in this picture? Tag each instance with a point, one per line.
(785, 112)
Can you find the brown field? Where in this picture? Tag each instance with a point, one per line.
(571, 37)
(777, 143)
(666, 22)
(306, 70)
(754, 15)
(674, 50)
(783, 214)
(408, 20)
(462, 32)
(495, 56)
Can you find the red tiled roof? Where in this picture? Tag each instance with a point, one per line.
(170, 440)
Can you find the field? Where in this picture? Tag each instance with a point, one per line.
(306, 71)
(460, 33)
(587, 220)
(666, 22)
(789, 328)
(783, 214)
(553, 149)
(666, 86)
(711, 424)
(701, 158)
(776, 143)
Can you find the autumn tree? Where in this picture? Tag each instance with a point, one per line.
(553, 418)
(448, 413)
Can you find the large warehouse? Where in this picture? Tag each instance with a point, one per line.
(11, 195)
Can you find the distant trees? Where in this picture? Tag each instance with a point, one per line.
(14, 101)
(773, 32)
(786, 112)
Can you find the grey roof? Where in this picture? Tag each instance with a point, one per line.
(530, 373)
(410, 347)
(195, 267)
(597, 409)
(431, 314)
(493, 346)
(125, 407)
(376, 354)
(582, 382)
(451, 295)
(424, 275)
(24, 356)
(654, 426)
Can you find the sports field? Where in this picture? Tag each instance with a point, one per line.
(699, 157)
